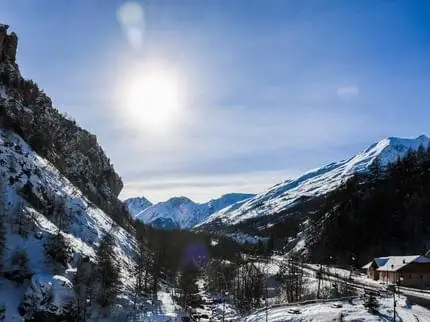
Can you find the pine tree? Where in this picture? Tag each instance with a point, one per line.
(371, 304)
(20, 219)
(61, 215)
(187, 284)
(159, 259)
(140, 268)
(83, 287)
(270, 245)
(375, 169)
(421, 153)
(57, 249)
(19, 270)
(107, 273)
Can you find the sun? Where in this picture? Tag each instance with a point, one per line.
(153, 96)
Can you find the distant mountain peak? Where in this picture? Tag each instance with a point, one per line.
(181, 212)
(137, 204)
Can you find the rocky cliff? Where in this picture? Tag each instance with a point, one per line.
(28, 111)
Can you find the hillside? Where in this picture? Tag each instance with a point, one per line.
(59, 209)
(382, 213)
(312, 184)
(37, 203)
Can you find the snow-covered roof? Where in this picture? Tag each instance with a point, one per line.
(422, 259)
(394, 263)
(379, 261)
(367, 265)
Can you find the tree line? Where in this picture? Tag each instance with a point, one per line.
(379, 213)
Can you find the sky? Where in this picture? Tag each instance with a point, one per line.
(199, 98)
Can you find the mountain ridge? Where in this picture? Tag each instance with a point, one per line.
(315, 182)
(180, 212)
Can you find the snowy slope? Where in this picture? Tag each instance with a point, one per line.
(316, 182)
(182, 212)
(20, 166)
(137, 205)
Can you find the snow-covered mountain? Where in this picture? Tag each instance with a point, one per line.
(137, 205)
(315, 182)
(55, 180)
(28, 185)
(182, 212)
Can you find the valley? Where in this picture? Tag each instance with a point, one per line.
(242, 233)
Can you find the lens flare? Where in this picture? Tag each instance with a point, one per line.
(196, 255)
(132, 20)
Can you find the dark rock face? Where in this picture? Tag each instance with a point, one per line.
(28, 111)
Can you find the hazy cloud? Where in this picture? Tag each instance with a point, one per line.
(347, 91)
(205, 187)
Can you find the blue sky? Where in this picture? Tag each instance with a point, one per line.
(273, 88)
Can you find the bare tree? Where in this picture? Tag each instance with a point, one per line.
(291, 277)
(248, 286)
(140, 269)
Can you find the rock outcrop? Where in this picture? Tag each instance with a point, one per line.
(28, 111)
(48, 298)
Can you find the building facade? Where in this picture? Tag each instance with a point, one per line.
(413, 271)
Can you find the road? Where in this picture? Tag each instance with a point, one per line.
(417, 296)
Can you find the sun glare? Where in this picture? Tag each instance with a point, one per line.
(154, 97)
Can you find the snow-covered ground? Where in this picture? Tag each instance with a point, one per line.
(162, 310)
(243, 238)
(268, 268)
(334, 311)
(215, 307)
(10, 297)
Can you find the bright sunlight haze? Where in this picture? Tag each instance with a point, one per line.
(154, 96)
